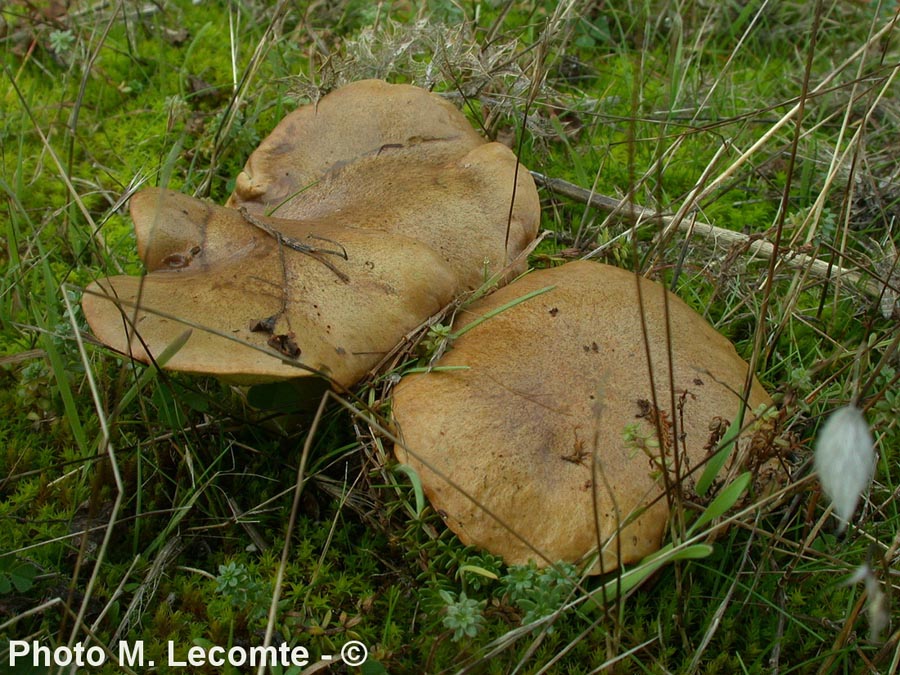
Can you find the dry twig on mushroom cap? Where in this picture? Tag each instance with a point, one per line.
(260, 310)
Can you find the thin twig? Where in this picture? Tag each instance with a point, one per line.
(292, 521)
(299, 246)
(718, 235)
(239, 92)
(105, 446)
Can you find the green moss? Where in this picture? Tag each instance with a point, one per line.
(623, 113)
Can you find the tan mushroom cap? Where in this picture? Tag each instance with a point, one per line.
(398, 159)
(261, 310)
(413, 205)
(551, 382)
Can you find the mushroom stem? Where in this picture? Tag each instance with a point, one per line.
(636, 213)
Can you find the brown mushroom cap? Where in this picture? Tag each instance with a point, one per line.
(390, 177)
(396, 158)
(212, 269)
(552, 384)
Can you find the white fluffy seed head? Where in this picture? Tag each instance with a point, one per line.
(845, 460)
(878, 607)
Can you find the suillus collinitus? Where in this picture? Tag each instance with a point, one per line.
(266, 299)
(359, 217)
(396, 158)
(536, 434)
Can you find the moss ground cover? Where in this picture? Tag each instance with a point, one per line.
(144, 505)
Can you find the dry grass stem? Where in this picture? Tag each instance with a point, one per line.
(719, 236)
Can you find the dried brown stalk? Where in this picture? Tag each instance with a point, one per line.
(693, 226)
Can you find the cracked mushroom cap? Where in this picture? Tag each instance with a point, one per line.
(266, 299)
(546, 419)
(398, 159)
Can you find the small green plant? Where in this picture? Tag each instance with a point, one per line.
(16, 575)
(242, 590)
(539, 593)
(480, 570)
(435, 342)
(61, 41)
(462, 614)
(888, 404)
(666, 107)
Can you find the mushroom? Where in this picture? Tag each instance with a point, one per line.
(389, 205)
(537, 430)
(268, 299)
(396, 158)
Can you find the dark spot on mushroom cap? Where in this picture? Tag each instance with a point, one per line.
(176, 261)
(266, 325)
(285, 343)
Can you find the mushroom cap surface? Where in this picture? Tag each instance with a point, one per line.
(260, 310)
(399, 159)
(413, 205)
(531, 435)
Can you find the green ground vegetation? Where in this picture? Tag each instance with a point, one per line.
(137, 504)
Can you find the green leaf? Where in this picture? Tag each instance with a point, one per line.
(371, 667)
(435, 369)
(723, 502)
(717, 461)
(168, 409)
(22, 577)
(635, 576)
(410, 473)
(151, 373)
(15, 574)
(502, 308)
(475, 569)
